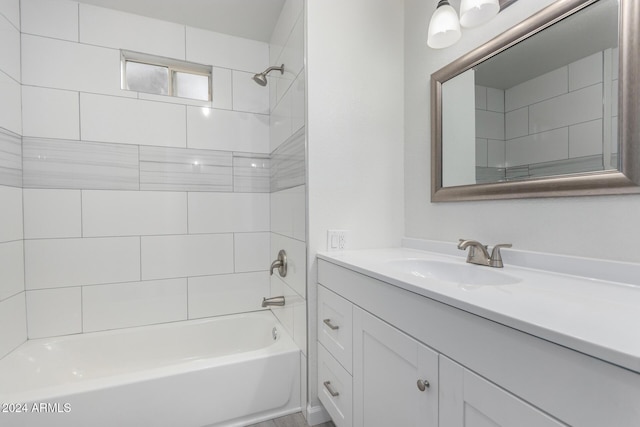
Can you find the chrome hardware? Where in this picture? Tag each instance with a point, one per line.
(330, 325)
(496, 256)
(280, 264)
(332, 392)
(273, 301)
(423, 385)
(479, 253)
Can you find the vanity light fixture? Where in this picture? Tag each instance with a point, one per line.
(444, 27)
(477, 12)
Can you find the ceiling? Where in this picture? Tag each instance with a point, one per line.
(252, 19)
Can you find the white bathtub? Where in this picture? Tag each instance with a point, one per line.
(226, 371)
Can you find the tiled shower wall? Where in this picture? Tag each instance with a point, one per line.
(558, 116)
(13, 330)
(139, 208)
(288, 173)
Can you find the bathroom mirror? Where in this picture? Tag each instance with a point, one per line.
(548, 108)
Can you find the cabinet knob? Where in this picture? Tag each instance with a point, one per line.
(423, 385)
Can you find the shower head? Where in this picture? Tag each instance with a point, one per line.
(261, 78)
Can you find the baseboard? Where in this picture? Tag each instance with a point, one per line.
(317, 415)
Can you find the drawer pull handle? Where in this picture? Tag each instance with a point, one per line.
(332, 392)
(331, 325)
(423, 385)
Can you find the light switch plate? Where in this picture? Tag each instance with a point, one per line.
(337, 240)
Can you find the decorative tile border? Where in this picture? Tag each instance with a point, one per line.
(251, 173)
(10, 159)
(288, 163)
(178, 169)
(79, 165)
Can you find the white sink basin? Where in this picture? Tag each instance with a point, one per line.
(459, 273)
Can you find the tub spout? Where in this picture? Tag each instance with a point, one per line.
(273, 301)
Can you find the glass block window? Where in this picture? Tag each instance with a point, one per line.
(165, 76)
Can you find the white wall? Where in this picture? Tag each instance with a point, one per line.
(355, 130)
(600, 227)
(139, 208)
(13, 330)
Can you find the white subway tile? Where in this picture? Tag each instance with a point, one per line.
(495, 100)
(296, 261)
(537, 148)
(10, 214)
(575, 107)
(13, 324)
(481, 97)
(251, 251)
(54, 312)
(283, 313)
(298, 103)
(214, 129)
(228, 212)
(120, 30)
(585, 139)
(517, 123)
(50, 113)
(124, 213)
(125, 305)
(56, 263)
(132, 121)
(288, 212)
(495, 153)
(63, 64)
(55, 19)
(585, 72)
(10, 104)
(227, 294)
(221, 88)
(614, 98)
(289, 15)
(615, 62)
(166, 257)
(546, 86)
(299, 305)
(12, 271)
(249, 96)
(280, 122)
(481, 152)
(52, 213)
(11, 10)
(222, 50)
(489, 125)
(293, 52)
(9, 49)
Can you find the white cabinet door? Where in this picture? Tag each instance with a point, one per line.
(468, 400)
(387, 365)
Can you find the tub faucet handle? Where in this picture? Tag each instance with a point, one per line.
(496, 256)
(280, 264)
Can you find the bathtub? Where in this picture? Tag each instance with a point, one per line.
(226, 371)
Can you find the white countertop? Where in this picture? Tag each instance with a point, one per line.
(593, 316)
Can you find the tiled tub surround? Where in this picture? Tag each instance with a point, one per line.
(552, 123)
(13, 328)
(139, 208)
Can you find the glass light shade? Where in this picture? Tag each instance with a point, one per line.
(477, 12)
(444, 27)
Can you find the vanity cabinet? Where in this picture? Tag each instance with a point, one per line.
(395, 378)
(481, 373)
(468, 400)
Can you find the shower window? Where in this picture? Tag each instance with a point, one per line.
(164, 76)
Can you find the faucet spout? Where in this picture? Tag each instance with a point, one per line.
(478, 253)
(273, 301)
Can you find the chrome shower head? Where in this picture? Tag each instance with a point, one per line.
(261, 78)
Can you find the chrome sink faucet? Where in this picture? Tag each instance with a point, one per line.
(479, 253)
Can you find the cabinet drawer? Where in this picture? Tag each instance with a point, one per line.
(335, 325)
(335, 389)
